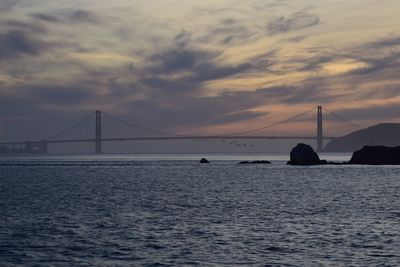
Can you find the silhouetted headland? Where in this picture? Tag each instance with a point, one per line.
(385, 134)
(376, 155)
(304, 155)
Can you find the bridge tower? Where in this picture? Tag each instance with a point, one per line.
(98, 133)
(320, 135)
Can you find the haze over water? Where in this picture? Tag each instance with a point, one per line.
(169, 210)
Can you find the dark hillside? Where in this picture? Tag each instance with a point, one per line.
(385, 134)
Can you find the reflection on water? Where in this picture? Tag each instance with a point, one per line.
(157, 210)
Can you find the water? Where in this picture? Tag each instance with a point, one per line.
(168, 210)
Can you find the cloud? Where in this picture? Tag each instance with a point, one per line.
(191, 110)
(228, 32)
(14, 106)
(182, 39)
(25, 26)
(387, 42)
(212, 71)
(61, 96)
(272, 4)
(296, 39)
(315, 62)
(381, 65)
(195, 66)
(67, 16)
(238, 116)
(6, 5)
(179, 59)
(378, 113)
(168, 110)
(21, 37)
(229, 21)
(15, 43)
(29, 116)
(64, 95)
(46, 17)
(381, 56)
(82, 16)
(297, 21)
(172, 86)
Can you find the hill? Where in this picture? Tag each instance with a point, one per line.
(386, 134)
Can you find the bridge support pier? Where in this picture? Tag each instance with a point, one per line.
(28, 146)
(44, 147)
(320, 135)
(98, 144)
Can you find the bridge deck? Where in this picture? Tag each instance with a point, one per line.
(64, 141)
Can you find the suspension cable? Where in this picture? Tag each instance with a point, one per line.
(271, 125)
(229, 134)
(71, 127)
(343, 119)
(141, 127)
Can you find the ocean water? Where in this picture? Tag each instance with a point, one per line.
(169, 210)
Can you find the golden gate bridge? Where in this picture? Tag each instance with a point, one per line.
(317, 123)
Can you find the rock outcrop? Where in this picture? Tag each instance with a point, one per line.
(204, 160)
(376, 155)
(256, 162)
(303, 154)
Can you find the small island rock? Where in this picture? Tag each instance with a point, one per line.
(204, 160)
(376, 155)
(256, 162)
(303, 154)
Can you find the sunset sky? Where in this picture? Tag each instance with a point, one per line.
(195, 66)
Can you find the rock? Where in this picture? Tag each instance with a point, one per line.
(376, 155)
(204, 160)
(303, 154)
(256, 162)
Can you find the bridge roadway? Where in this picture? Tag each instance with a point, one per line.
(65, 141)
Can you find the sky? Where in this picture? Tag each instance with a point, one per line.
(195, 67)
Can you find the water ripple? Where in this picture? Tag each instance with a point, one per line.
(171, 213)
